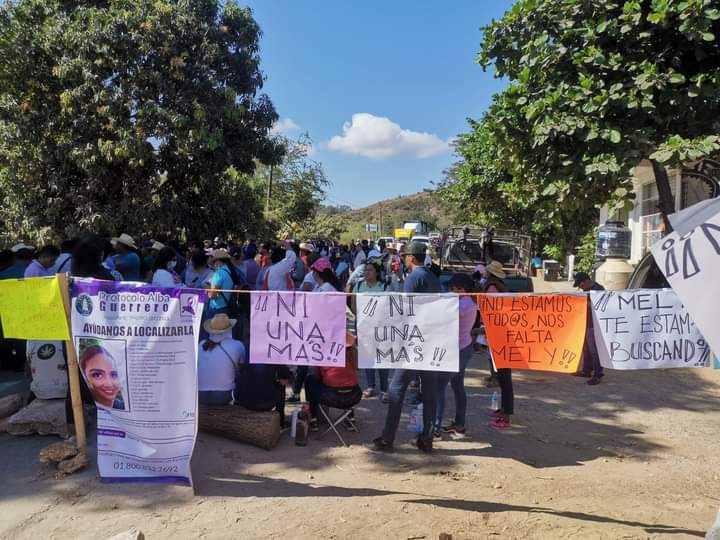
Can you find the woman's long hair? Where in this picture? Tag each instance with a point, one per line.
(164, 256)
(87, 257)
(328, 276)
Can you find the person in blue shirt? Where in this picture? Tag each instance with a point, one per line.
(419, 280)
(127, 261)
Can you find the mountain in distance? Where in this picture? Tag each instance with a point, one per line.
(391, 213)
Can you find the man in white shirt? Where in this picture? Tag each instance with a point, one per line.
(361, 256)
(218, 360)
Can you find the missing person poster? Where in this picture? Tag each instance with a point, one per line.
(646, 329)
(137, 350)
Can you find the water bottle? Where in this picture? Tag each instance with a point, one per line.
(494, 405)
(416, 419)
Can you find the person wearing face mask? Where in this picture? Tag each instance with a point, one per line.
(164, 269)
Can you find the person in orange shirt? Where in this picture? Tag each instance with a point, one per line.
(337, 386)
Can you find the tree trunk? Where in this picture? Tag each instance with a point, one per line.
(666, 203)
(261, 429)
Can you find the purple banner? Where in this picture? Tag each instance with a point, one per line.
(297, 329)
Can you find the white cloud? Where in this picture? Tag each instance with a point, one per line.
(377, 137)
(285, 126)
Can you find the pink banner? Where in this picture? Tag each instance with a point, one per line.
(297, 329)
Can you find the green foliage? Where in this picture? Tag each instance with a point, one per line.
(585, 256)
(599, 85)
(596, 86)
(132, 115)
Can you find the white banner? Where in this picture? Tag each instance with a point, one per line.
(137, 350)
(408, 331)
(646, 329)
(691, 264)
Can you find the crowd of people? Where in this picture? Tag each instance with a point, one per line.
(223, 267)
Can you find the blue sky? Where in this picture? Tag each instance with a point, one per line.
(379, 86)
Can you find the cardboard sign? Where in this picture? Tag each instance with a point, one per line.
(295, 328)
(691, 264)
(646, 329)
(33, 308)
(542, 332)
(408, 331)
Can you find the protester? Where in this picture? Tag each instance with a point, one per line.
(164, 268)
(62, 264)
(7, 266)
(87, 259)
(197, 273)
(324, 276)
(494, 283)
(336, 386)
(41, 266)
(359, 273)
(309, 284)
(219, 359)
(127, 260)
(468, 316)
(261, 387)
(590, 366)
(23, 257)
(277, 276)
(491, 281)
(251, 267)
(419, 280)
(372, 283)
(224, 278)
(264, 255)
(361, 255)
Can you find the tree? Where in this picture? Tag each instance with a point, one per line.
(596, 86)
(130, 115)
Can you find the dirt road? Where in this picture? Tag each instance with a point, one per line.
(635, 457)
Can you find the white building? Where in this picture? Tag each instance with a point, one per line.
(688, 185)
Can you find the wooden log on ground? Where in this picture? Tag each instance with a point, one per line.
(261, 429)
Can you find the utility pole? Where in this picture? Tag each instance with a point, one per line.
(381, 220)
(269, 191)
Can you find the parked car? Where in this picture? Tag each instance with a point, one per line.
(647, 275)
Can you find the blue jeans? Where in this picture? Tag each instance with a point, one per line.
(370, 378)
(398, 386)
(457, 383)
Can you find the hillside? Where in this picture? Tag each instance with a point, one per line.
(391, 213)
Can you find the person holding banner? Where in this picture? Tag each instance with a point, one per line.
(420, 279)
(591, 366)
(468, 312)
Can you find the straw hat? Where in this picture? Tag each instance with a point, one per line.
(219, 255)
(391, 246)
(125, 240)
(307, 247)
(219, 324)
(495, 268)
(157, 246)
(20, 247)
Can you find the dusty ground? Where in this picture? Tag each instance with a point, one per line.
(635, 457)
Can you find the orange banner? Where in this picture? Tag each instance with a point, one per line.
(543, 332)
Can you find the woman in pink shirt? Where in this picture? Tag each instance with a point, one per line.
(460, 283)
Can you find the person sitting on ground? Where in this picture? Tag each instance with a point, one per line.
(219, 358)
(335, 386)
(43, 263)
(590, 366)
(261, 387)
(459, 284)
(164, 268)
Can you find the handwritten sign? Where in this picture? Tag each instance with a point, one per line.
(32, 308)
(542, 332)
(294, 328)
(408, 331)
(691, 264)
(646, 329)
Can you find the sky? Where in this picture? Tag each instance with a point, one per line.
(381, 87)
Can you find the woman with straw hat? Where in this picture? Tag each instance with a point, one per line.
(219, 358)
